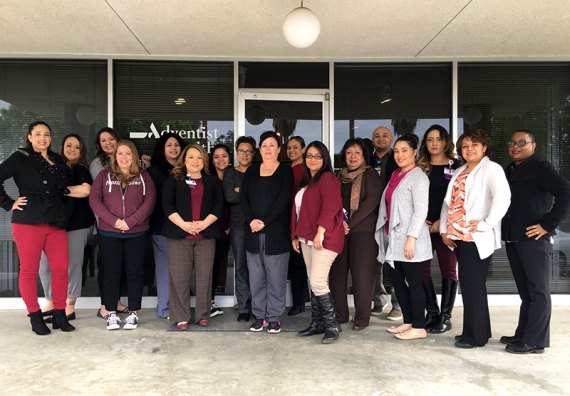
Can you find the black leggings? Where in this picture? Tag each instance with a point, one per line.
(411, 295)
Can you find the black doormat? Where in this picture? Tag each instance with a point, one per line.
(228, 322)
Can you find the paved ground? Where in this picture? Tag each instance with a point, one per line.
(150, 360)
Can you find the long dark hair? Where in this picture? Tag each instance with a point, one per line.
(99, 152)
(309, 180)
(82, 149)
(158, 157)
(211, 166)
(424, 155)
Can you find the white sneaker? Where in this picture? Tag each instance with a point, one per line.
(132, 321)
(113, 322)
(215, 310)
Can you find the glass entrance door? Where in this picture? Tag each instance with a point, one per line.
(289, 113)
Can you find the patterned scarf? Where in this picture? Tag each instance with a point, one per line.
(354, 177)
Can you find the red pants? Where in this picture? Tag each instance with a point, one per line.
(30, 240)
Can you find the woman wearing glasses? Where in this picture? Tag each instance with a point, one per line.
(540, 200)
(317, 231)
(233, 178)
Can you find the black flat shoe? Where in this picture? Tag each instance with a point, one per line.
(358, 328)
(244, 317)
(47, 313)
(100, 315)
(71, 316)
(465, 345)
(458, 337)
(296, 310)
(507, 340)
(521, 348)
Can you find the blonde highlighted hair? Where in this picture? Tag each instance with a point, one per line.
(180, 170)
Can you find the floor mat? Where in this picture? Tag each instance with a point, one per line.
(228, 322)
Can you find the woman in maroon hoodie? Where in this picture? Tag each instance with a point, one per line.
(317, 231)
(123, 198)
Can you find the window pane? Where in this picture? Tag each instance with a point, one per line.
(71, 96)
(283, 75)
(406, 98)
(192, 99)
(502, 97)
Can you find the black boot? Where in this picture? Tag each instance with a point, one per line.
(326, 308)
(38, 325)
(432, 315)
(448, 293)
(316, 326)
(60, 321)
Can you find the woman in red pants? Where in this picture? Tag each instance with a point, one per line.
(39, 219)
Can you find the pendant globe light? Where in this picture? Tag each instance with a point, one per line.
(301, 27)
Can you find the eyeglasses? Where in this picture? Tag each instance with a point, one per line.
(518, 143)
(316, 156)
(245, 152)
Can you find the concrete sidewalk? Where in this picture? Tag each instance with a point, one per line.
(150, 360)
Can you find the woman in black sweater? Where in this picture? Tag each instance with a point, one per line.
(265, 199)
(166, 152)
(79, 227)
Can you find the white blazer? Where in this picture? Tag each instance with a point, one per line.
(487, 199)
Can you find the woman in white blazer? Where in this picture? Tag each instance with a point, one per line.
(477, 198)
(403, 236)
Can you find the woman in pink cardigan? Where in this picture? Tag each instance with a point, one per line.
(317, 232)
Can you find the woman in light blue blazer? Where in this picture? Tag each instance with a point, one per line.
(403, 236)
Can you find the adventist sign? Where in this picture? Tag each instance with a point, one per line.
(200, 135)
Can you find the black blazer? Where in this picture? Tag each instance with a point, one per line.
(43, 190)
(176, 198)
(535, 185)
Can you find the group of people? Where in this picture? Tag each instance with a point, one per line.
(387, 205)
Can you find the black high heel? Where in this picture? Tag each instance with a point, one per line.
(38, 325)
(60, 321)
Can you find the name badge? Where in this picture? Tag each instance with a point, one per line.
(191, 183)
(448, 172)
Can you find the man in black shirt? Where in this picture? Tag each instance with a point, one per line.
(383, 161)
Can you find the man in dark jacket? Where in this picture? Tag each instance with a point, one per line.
(540, 198)
(383, 161)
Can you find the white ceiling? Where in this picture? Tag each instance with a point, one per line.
(251, 29)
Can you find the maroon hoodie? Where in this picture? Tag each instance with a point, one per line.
(135, 205)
